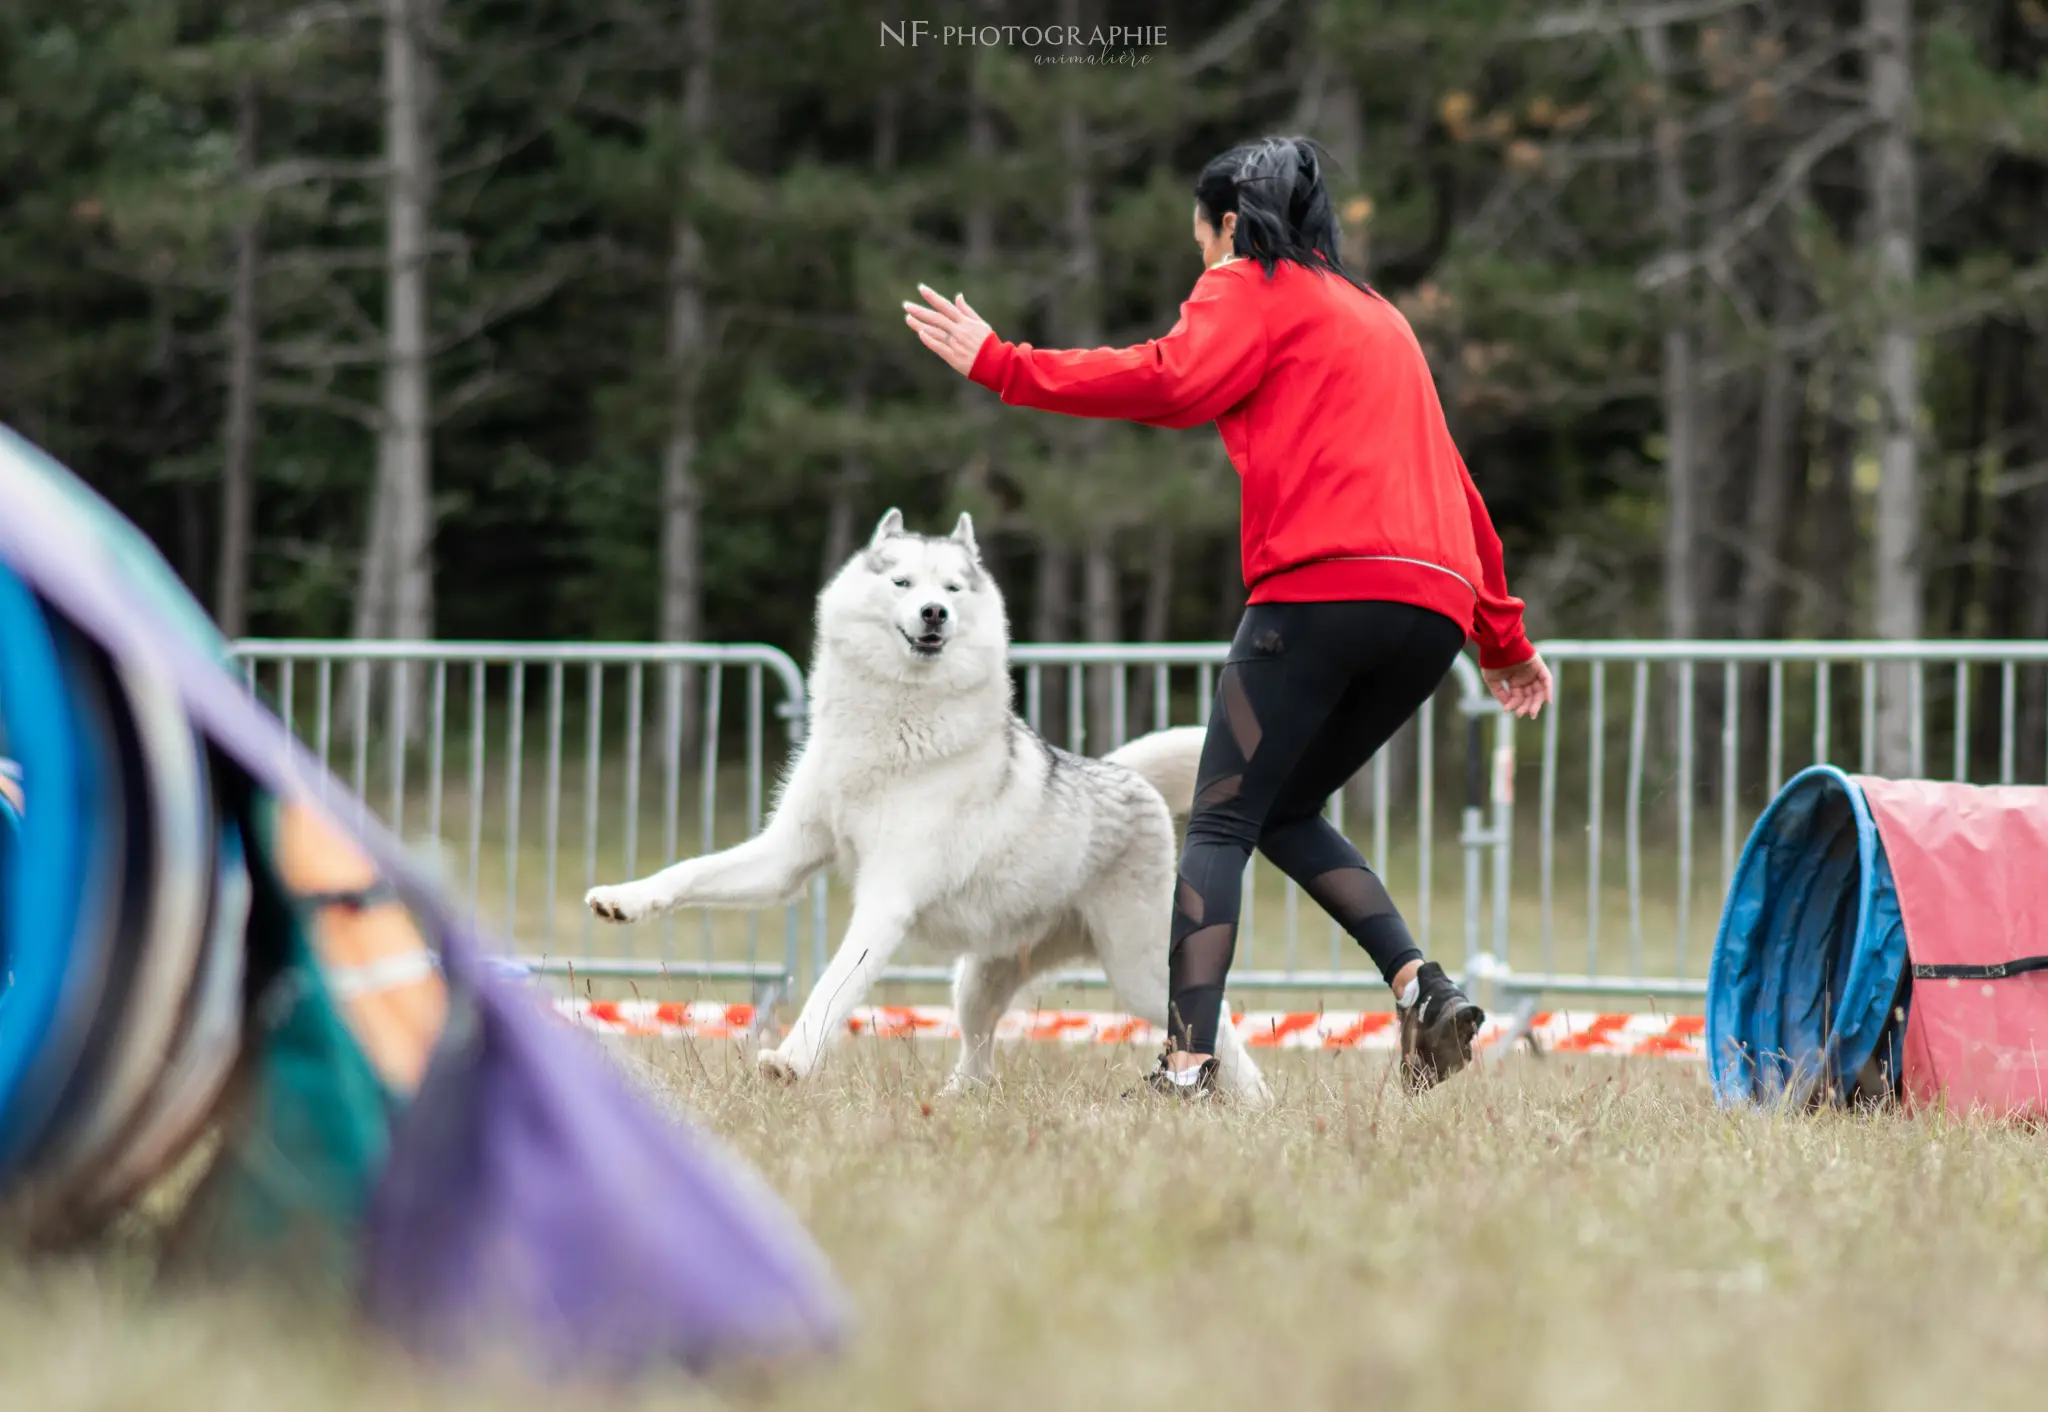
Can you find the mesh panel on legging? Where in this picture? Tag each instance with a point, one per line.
(1332, 871)
(1207, 899)
(1204, 936)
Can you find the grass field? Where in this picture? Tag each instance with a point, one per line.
(1546, 1235)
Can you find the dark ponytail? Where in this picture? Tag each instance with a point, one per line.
(1275, 186)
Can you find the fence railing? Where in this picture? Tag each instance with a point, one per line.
(537, 771)
(534, 772)
(470, 752)
(1657, 758)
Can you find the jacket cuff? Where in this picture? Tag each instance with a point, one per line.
(991, 361)
(1509, 652)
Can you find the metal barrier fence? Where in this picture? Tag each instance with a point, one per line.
(1683, 743)
(519, 762)
(442, 740)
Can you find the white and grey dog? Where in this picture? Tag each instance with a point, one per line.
(958, 828)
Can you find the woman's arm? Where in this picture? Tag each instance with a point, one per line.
(1206, 364)
(1508, 661)
(1497, 617)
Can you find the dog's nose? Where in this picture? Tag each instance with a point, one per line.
(934, 614)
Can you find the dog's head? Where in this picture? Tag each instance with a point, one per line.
(921, 602)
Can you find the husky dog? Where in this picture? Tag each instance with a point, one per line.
(957, 826)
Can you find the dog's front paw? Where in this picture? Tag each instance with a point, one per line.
(622, 902)
(776, 1065)
(959, 1085)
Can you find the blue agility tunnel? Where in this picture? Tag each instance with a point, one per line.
(222, 984)
(1886, 938)
(1811, 952)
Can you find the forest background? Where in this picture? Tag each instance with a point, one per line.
(528, 319)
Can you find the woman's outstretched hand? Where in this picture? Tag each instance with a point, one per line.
(1524, 688)
(948, 327)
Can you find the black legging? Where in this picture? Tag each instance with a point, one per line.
(1309, 693)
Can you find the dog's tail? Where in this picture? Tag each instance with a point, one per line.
(1168, 760)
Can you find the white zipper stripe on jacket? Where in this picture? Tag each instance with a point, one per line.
(1396, 559)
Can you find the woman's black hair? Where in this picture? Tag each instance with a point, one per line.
(1275, 186)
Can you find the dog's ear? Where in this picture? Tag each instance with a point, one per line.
(963, 535)
(892, 524)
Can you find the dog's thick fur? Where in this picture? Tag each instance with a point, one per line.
(957, 826)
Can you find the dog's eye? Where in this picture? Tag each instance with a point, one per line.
(900, 583)
(952, 588)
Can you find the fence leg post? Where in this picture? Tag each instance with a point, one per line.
(792, 948)
(1473, 837)
(767, 995)
(1521, 1028)
(797, 710)
(1503, 844)
(820, 949)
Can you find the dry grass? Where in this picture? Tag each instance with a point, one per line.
(1557, 1235)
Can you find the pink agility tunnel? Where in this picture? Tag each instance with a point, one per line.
(1971, 867)
(1887, 938)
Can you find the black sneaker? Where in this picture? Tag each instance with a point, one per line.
(1192, 1085)
(1437, 1030)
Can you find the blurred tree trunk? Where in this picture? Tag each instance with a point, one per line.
(682, 492)
(372, 609)
(977, 258)
(1081, 327)
(978, 252)
(1053, 604)
(1893, 180)
(1984, 374)
(1835, 536)
(1778, 467)
(686, 353)
(1969, 547)
(1103, 602)
(2029, 414)
(238, 436)
(1155, 622)
(395, 599)
(1680, 381)
(1328, 111)
(405, 444)
(851, 485)
(1052, 614)
(2007, 599)
(1773, 489)
(1729, 407)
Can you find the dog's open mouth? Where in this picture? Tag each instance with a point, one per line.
(928, 644)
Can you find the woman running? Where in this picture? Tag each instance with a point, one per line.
(1369, 557)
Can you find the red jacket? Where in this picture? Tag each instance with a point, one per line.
(1352, 487)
